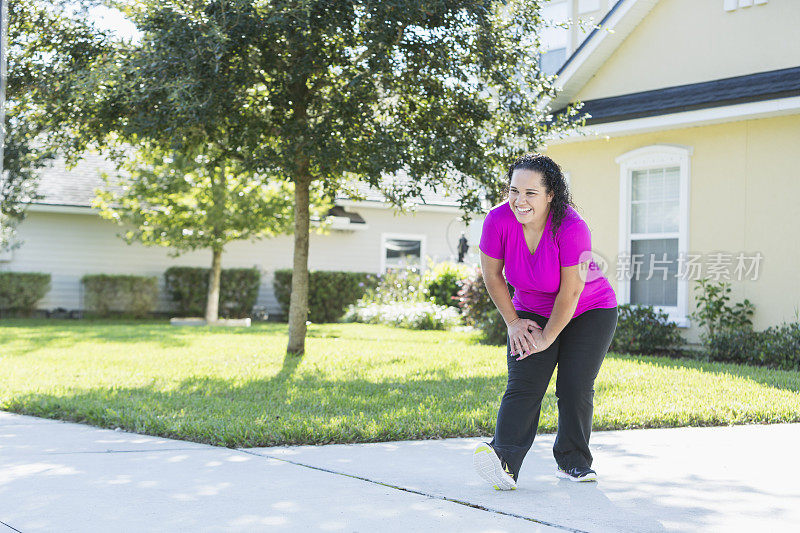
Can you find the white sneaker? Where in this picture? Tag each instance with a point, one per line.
(492, 469)
(578, 473)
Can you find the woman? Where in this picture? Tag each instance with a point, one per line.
(564, 312)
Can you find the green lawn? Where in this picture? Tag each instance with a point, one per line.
(356, 383)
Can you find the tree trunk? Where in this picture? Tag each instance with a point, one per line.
(212, 305)
(298, 305)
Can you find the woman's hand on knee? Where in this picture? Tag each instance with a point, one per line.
(521, 337)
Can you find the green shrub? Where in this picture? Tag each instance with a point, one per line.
(21, 291)
(413, 315)
(106, 294)
(775, 347)
(188, 290)
(400, 285)
(713, 312)
(187, 287)
(479, 310)
(329, 292)
(443, 281)
(238, 291)
(642, 329)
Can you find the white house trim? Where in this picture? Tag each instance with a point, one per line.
(698, 117)
(376, 204)
(404, 236)
(656, 156)
(65, 209)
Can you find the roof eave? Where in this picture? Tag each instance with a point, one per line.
(581, 66)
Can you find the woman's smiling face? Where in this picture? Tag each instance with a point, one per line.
(528, 196)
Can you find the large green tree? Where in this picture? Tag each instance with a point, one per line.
(51, 44)
(328, 92)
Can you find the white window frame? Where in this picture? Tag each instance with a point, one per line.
(406, 237)
(652, 157)
(732, 5)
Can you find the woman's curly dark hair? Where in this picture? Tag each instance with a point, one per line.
(554, 182)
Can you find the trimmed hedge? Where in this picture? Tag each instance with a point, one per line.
(329, 292)
(107, 294)
(642, 329)
(21, 291)
(775, 347)
(187, 287)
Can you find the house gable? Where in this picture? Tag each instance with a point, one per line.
(671, 46)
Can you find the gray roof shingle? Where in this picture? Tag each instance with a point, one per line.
(727, 91)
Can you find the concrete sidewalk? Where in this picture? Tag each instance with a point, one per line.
(57, 476)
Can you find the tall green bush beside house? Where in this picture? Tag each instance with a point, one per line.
(21, 291)
(106, 295)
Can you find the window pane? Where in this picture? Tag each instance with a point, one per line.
(671, 214)
(551, 61)
(649, 253)
(554, 37)
(639, 181)
(672, 183)
(655, 200)
(554, 40)
(655, 217)
(638, 220)
(656, 185)
(401, 252)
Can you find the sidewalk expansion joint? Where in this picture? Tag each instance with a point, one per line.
(419, 492)
(9, 527)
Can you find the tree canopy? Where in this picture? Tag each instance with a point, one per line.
(48, 51)
(331, 92)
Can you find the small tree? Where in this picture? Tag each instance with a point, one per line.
(194, 200)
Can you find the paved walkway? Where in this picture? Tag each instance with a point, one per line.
(57, 476)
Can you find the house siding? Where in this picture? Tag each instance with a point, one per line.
(69, 245)
(743, 189)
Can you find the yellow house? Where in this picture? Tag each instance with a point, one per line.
(689, 164)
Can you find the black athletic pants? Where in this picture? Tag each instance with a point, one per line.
(579, 351)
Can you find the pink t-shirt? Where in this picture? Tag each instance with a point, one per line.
(536, 278)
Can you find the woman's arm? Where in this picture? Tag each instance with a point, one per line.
(573, 279)
(520, 338)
